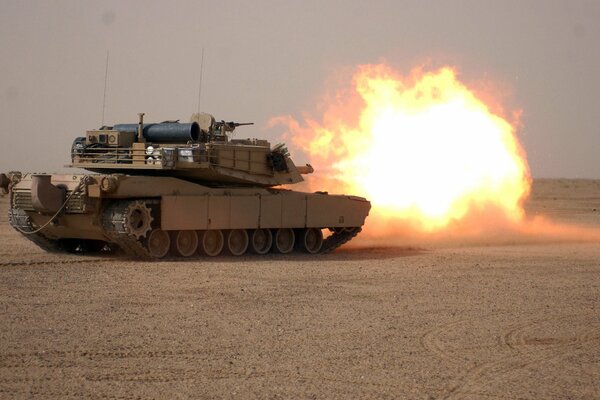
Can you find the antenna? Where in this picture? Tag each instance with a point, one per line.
(105, 84)
(200, 85)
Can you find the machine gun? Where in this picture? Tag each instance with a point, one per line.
(223, 126)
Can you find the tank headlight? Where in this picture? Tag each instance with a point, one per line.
(149, 150)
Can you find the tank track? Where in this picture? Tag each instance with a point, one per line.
(113, 222)
(21, 222)
(339, 238)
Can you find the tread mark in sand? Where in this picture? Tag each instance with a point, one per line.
(477, 378)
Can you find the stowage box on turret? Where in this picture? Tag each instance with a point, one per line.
(179, 189)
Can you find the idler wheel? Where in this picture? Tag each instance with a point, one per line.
(284, 240)
(159, 243)
(212, 242)
(138, 219)
(184, 243)
(237, 241)
(262, 240)
(312, 240)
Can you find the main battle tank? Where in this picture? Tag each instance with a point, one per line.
(179, 189)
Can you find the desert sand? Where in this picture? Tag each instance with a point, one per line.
(518, 321)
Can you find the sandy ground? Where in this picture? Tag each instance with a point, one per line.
(485, 322)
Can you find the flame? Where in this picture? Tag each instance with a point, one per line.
(424, 149)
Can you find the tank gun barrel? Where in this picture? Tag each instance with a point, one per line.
(305, 169)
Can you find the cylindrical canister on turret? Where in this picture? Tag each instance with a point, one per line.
(167, 132)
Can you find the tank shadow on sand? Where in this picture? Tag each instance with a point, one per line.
(343, 254)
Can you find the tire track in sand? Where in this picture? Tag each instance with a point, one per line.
(524, 352)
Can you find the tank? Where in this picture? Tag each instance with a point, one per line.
(174, 189)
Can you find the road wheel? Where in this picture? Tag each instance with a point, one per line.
(312, 240)
(237, 241)
(212, 242)
(262, 240)
(184, 243)
(284, 240)
(159, 243)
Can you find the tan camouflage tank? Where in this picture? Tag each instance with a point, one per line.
(175, 189)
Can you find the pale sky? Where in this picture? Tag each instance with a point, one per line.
(268, 58)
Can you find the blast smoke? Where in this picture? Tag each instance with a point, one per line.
(437, 163)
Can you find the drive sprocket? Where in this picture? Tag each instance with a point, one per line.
(137, 219)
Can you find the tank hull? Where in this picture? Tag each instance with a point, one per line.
(154, 217)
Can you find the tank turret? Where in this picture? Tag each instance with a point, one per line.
(200, 150)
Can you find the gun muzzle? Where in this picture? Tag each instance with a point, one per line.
(306, 169)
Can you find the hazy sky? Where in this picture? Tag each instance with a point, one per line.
(267, 58)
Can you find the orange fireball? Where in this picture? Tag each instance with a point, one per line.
(424, 149)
